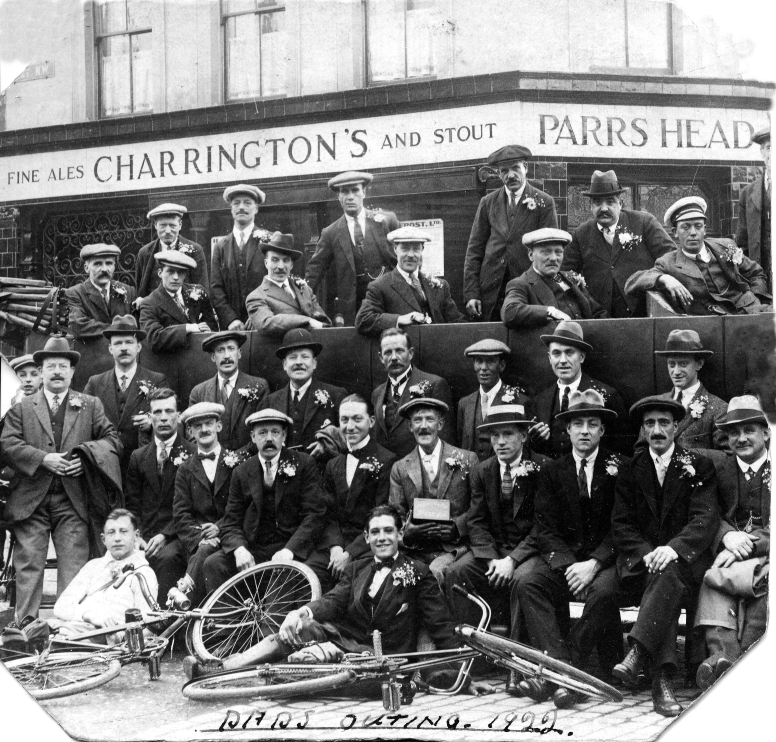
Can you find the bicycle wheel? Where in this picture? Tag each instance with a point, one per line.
(533, 663)
(250, 606)
(63, 673)
(269, 682)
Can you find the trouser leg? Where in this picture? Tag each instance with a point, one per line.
(469, 572)
(439, 566)
(195, 569)
(218, 568)
(169, 564)
(754, 622)
(517, 629)
(70, 534)
(318, 562)
(29, 560)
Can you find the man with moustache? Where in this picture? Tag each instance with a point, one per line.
(405, 382)
(239, 393)
(236, 266)
(283, 301)
(167, 220)
(495, 253)
(664, 520)
(356, 244)
(616, 243)
(94, 303)
(125, 389)
(150, 488)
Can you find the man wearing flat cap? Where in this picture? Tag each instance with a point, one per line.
(283, 301)
(704, 276)
(495, 253)
(490, 359)
(663, 525)
(754, 211)
(96, 301)
(167, 220)
(544, 293)
(28, 373)
(356, 245)
(176, 308)
(616, 243)
(406, 296)
(237, 264)
(239, 393)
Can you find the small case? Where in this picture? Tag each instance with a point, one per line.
(428, 509)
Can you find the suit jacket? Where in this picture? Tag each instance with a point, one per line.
(391, 296)
(351, 505)
(301, 504)
(193, 503)
(453, 485)
(317, 414)
(103, 386)
(604, 265)
(89, 315)
(165, 322)
(150, 497)
(405, 605)
(494, 243)
(750, 218)
(234, 432)
(335, 246)
(702, 432)
(747, 288)
(228, 300)
(559, 524)
(486, 528)
(146, 275)
(618, 433)
(528, 296)
(27, 437)
(399, 439)
(274, 312)
(687, 520)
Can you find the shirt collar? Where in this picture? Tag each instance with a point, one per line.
(129, 374)
(612, 227)
(518, 195)
(273, 460)
(408, 276)
(232, 379)
(107, 288)
(359, 446)
(704, 255)
(666, 457)
(50, 396)
(361, 216)
(216, 451)
(168, 444)
(402, 379)
(743, 466)
(434, 454)
(693, 389)
(279, 284)
(302, 389)
(573, 386)
(247, 232)
(591, 457)
(512, 465)
(394, 557)
(491, 395)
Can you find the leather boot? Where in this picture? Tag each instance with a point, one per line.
(723, 647)
(194, 668)
(632, 666)
(537, 688)
(663, 698)
(513, 684)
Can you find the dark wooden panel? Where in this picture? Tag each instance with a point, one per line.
(749, 357)
(345, 359)
(263, 362)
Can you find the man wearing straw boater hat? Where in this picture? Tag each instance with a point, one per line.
(613, 245)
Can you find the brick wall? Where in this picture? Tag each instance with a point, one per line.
(551, 177)
(9, 241)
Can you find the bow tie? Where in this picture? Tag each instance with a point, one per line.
(379, 564)
(358, 453)
(211, 456)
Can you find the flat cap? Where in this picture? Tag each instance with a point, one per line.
(21, 361)
(100, 250)
(201, 411)
(209, 344)
(175, 258)
(268, 416)
(546, 236)
(689, 207)
(406, 409)
(505, 414)
(408, 234)
(351, 177)
(568, 333)
(762, 136)
(167, 209)
(510, 152)
(255, 193)
(743, 409)
(488, 347)
(282, 243)
(655, 402)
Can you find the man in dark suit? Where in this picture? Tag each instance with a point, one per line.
(311, 404)
(663, 524)
(754, 211)
(499, 521)
(176, 308)
(50, 499)
(567, 350)
(405, 382)
(240, 394)
(237, 265)
(704, 275)
(573, 522)
(167, 220)
(733, 599)
(616, 243)
(356, 244)
(96, 301)
(495, 253)
(406, 296)
(283, 301)
(126, 388)
(150, 488)
(544, 293)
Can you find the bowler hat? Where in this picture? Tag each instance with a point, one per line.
(202, 411)
(255, 193)
(509, 152)
(568, 333)
(743, 409)
(684, 343)
(351, 177)
(282, 243)
(762, 136)
(56, 347)
(546, 236)
(488, 347)
(588, 403)
(505, 414)
(656, 403)
(604, 184)
(689, 207)
(99, 250)
(209, 344)
(175, 258)
(298, 338)
(123, 324)
(406, 409)
(21, 361)
(408, 234)
(268, 415)
(166, 210)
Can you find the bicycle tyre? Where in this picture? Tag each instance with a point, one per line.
(268, 591)
(63, 673)
(268, 682)
(530, 661)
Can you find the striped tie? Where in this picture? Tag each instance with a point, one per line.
(507, 484)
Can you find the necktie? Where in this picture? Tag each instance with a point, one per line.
(678, 397)
(484, 404)
(296, 397)
(55, 405)
(241, 240)
(608, 233)
(268, 477)
(287, 288)
(749, 474)
(582, 479)
(507, 483)
(395, 391)
(179, 301)
(564, 402)
(512, 206)
(162, 460)
(225, 391)
(104, 293)
(660, 469)
(202, 456)
(430, 463)
(358, 235)
(416, 285)
(123, 383)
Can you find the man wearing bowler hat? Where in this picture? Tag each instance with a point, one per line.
(237, 265)
(545, 293)
(356, 244)
(283, 301)
(704, 276)
(96, 301)
(167, 220)
(613, 245)
(495, 253)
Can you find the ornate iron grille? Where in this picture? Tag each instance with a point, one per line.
(65, 234)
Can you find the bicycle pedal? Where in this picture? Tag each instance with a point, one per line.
(407, 692)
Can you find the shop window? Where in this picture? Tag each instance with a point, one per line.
(402, 39)
(255, 48)
(125, 57)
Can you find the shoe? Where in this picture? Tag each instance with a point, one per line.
(710, 670)
(564, 698)
(536, 688)
(631, 667)
(663, 698)
(513, 684)
(194, 669)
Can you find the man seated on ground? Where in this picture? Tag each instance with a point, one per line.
(90, 601)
